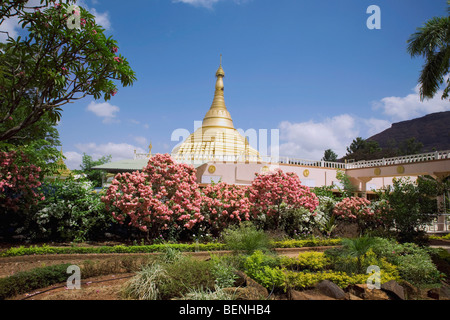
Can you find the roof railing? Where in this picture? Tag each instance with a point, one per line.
(423, 157)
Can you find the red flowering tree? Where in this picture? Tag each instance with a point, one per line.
(278, 192)
(224, 205)
(164, 195)
(18, 181)
(361, 211)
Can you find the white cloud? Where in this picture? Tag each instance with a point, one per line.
(118, 151)
(374, 126)
(11, 26)
(141, 140)
(207, 3)
(199, 3)
(309, 140)
(409, 107)
(104, 110)
(100, 18)
(73, 160)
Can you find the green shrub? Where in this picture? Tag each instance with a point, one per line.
(418, 268)
(34, 250)
(306, 261)
(303, 280)
(245, 238)
(265, 270)
(305, 243)
(413, 262)
(445, 237)
(185, 247)
(71, 211)
(27, 281)
(146, 283)
(223, 272)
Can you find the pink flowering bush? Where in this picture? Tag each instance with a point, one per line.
(19, 181)
(224, 205)
(276, 193)
(165, 195)
(353, 207)
(361, 211)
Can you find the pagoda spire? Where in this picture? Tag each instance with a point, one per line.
(218, 115)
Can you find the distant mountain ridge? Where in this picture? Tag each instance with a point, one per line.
(432, 130)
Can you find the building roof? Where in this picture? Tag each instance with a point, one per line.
(130, 165)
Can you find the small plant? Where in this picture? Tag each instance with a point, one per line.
(208, 294)
(245, 238)
(223, 272)
(145, 285)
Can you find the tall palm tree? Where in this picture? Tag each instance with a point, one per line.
(432, 41)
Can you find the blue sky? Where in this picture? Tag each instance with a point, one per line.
(311, 69)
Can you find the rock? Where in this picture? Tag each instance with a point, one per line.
(246, 282)
(410, 290)
(392, 288)
(240, 280)
(375, 294)
(357, 289)
(307, 295)
(444, 293)
(433, 293)
(331, 289)
(363, 292)
(349, 296)
(297, 295)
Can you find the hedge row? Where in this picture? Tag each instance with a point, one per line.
(27, 281)
(193, 247)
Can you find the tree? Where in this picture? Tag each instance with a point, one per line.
(56, 63)
(432, 41)
(361, 149)
(95, 176)
(348, 189)
(39, 142)
(409, 146)
(408, 212)
(329, 155)
(163, 197)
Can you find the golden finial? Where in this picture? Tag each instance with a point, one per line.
(220, 71)
(150, 148)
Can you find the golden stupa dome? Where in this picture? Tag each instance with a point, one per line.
(217, 139)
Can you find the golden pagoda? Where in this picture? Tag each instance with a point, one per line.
(62, 172)
(216, 139)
